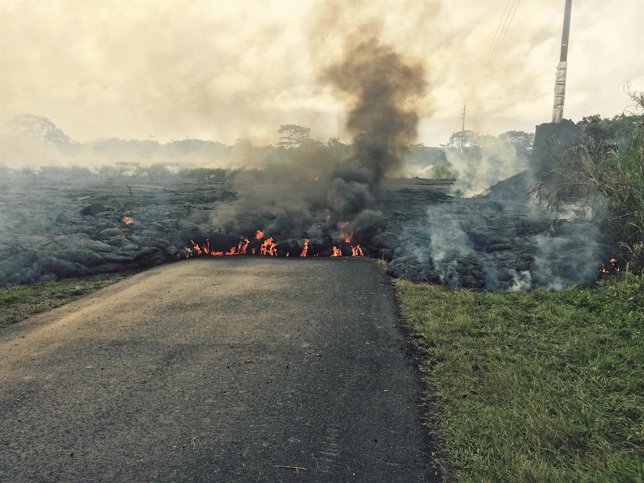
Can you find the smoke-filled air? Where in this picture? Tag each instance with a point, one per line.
(416, 133)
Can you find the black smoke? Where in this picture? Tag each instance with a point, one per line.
(382, 88)
(318, 191)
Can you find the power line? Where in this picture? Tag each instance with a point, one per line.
(495, 38)
(499, 28)
(506, 21)
(508, 26)
(463, 130)
(504, 30)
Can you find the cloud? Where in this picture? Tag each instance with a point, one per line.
(225, 70)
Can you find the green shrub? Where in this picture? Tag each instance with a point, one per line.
(606, 174)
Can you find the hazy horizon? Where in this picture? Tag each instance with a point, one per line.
(220, 71)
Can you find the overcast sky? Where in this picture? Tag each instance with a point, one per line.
(224, 70)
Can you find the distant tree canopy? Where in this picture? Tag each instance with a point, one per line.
(520, 139)
(40, 128)
(470, 139)
(616, 131)
(335, 143)
(463, 139)
(293, 136)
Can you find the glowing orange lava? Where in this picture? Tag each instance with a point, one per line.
(345, 231)
(305, 250)
(356, 251)
(613, 267)
(267, 246)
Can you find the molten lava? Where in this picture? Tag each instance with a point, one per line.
(612, 268)
(345, 231)
(268, 247)
(127, 221)
(305, 250)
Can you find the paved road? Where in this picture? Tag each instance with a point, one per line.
(216, 370)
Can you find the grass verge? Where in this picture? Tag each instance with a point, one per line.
(534, 386)
(18, 303)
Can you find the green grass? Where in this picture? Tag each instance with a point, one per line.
(535, 386)
(18, 303)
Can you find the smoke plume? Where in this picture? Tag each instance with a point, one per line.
(381, 88)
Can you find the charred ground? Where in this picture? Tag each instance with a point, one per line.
(65, 222)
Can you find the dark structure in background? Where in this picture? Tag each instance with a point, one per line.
(552, 139)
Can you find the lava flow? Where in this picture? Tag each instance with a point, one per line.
(612, 268)
(305, 250)
(263, 245)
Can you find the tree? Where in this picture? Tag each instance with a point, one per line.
(461, 139)
(520, 139)
(39, 128)
(293, 136)
(615, 132)
(485, 140)
(335, 143)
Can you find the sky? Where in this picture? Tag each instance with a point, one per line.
(225, 70)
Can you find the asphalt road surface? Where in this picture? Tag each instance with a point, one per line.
(242, 369)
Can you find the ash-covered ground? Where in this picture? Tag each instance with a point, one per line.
(64, 222)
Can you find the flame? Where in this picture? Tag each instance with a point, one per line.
(345, 231)
(127, 221)
(243, 246)
(613, 267)
(305, 250)
(269, 248)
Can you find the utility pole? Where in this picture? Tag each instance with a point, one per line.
(463, 130)
(560, 79)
